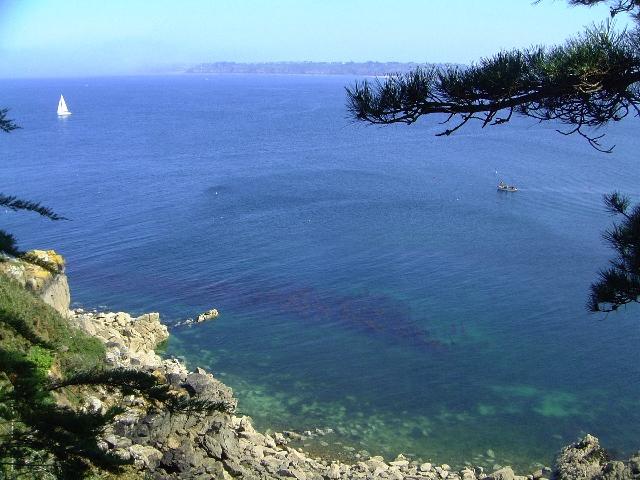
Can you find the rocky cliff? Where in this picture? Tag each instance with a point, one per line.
(41, 272)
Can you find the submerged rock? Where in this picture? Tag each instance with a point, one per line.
(208, 315)
(203, 317)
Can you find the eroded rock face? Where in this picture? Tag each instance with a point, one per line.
(130, 341)
(56, 294)
(43, 274)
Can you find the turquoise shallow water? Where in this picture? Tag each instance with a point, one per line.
(370, 280)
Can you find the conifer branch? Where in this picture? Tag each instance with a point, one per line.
(585, 84)
(14, 203)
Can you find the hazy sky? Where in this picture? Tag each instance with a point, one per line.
(87, 37)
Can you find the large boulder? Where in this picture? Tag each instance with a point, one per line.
(587, 460)
(581, 460)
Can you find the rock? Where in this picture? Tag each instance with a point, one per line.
(116, 442)
(269, 441)
(235, 469)
(617, 470)
(334, 472)
(467, 474)
(56, 294)
(280, 439)
(211, 444)
(292, 473)
(48, 259)
(377, 462)
(145, 456)
(505, 473)
(581, 460)
(208, 315)
(425, 467)
(94, 405)
(42, 272)
(271, 463)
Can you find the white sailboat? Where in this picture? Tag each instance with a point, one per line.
(63, 111)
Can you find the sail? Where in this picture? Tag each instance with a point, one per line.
(62, 107)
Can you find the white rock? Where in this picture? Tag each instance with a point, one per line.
(425, 467)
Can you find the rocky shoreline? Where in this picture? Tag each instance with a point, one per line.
(220, 445)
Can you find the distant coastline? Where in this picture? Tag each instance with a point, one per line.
(309, 68)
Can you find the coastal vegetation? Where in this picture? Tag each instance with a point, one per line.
(590, 81)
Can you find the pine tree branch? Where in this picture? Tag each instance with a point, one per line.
(617, 6)
(8, 244)
(586, 83)
(619, 285)
(14, 203)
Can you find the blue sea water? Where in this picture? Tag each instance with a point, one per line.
(370, 279)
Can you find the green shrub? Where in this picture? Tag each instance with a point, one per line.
(41, 358)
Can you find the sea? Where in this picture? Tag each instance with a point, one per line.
(372, 282)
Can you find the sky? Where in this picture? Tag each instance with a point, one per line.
(49, 38)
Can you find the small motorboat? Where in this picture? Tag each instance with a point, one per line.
(503, 187)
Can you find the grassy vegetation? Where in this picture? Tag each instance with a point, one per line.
(38, 437)
(30, 327)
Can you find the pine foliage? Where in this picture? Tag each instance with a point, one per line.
(13, 203)
(584, 84)
(616, 6)
(620, 283)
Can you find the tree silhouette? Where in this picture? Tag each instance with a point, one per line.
(591, 80)
(620, 283)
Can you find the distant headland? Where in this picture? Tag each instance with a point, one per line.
(309, 68)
